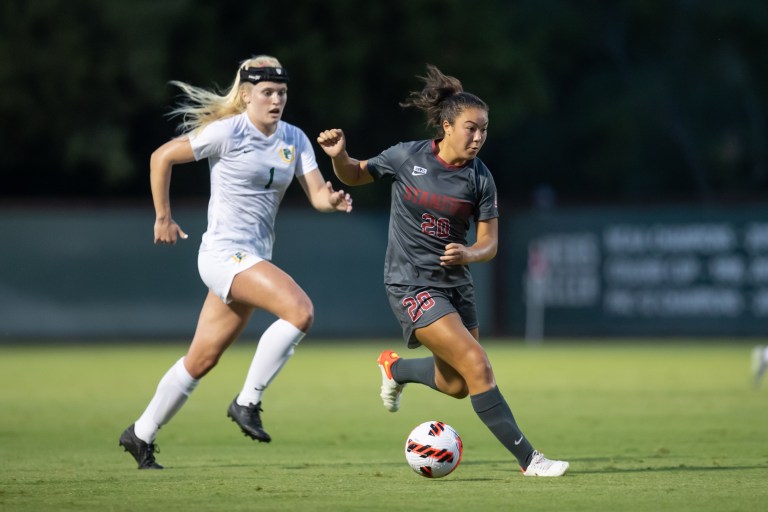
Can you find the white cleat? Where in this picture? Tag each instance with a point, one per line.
(542, 466)
(390, 390)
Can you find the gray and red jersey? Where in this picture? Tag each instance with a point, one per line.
(432, 204)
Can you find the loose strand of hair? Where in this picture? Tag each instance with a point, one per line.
(201, 107)
(437, 88)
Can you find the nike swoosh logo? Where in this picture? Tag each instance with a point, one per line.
(519, 441)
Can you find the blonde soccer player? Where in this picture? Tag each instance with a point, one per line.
(253, 156)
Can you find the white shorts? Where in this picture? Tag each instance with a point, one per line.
(218, 270)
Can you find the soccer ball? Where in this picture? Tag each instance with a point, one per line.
(433, 449)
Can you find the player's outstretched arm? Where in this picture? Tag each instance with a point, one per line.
(321, 193)
(349, 170)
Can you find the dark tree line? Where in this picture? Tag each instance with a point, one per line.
(611, 102)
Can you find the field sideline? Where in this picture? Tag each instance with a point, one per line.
(646, 427)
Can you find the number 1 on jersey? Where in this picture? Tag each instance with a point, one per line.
(271, 177)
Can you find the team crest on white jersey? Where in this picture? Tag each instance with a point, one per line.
(287, 154)
(239, 256)
(418, 171)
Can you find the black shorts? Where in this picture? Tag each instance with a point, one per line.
(419, 306)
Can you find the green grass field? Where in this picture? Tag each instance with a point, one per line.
(646, 427)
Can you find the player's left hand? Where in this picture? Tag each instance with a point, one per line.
(455, 254)
(340, 200)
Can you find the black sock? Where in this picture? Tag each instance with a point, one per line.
(421, 371)
(493, 410)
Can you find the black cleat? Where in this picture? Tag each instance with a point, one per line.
(249, 420)
(144, 453)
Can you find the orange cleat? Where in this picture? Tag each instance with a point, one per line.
(390, 390)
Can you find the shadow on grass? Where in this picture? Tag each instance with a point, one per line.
(654, 469)
(314, 466)
(613, 465)
(579, 466)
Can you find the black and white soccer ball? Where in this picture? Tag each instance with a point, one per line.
(433, 449)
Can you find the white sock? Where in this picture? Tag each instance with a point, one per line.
(172, 392)
(275, 347)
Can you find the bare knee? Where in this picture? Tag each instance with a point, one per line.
(452, 384)
(473, 371)
(477, 371)
(459, 391)
(198, 364)
(301, 315)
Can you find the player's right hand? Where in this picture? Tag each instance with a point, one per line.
(167, 232)
(332, 141)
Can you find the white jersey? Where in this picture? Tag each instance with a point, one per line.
(250, 173)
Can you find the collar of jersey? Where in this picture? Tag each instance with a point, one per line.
(450, 167)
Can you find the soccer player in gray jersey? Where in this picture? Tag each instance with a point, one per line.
(438, 188)
(253, 156)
